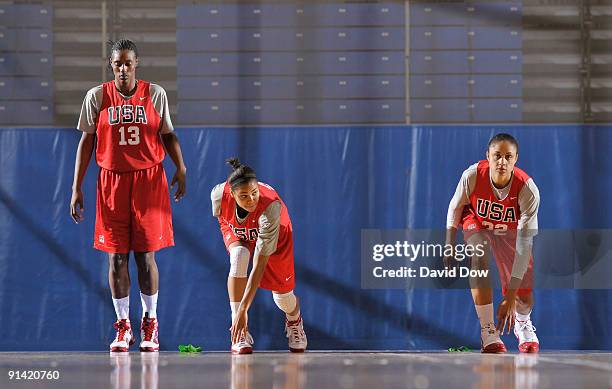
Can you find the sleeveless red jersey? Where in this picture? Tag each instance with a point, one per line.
(128, 130)
(248, 230)
(493, 213)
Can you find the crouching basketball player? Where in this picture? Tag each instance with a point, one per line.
(255, 224)
(129, 122)
(496, 203)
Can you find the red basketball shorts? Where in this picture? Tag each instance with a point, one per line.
(279, 275)
(133, 211)
(503, 247)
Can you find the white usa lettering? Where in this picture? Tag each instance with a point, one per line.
(123, 114)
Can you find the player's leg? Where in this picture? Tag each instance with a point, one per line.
(151, 230)
(482, 294)
(294, 327)
(288, 303)
(119, 281)
(112, 235)
(524, 303)
(148, 280)
(505, 252)
(239, 256)
(524, 329)
(279, 277)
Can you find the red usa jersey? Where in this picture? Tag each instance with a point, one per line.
(268, 227)
(491, 212)
(128, 130)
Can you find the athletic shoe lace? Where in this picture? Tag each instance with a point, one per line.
(489, 328)
(525, 327)
(242, 341)
(245, 340)
(148, 326)
(294, 332)
(121, 327)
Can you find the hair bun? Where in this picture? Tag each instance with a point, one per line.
(234, 163)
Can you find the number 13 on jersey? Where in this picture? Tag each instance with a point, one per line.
(134, 135)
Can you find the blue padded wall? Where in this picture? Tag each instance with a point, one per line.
(335, 182)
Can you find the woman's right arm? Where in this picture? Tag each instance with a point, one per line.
(83, 156)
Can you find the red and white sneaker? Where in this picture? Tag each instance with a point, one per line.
(490, 341)
(525, 333)
(296, 335)
(148, 334)
(244, 345)
(124, 338)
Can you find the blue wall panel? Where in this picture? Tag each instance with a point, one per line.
(496, 62)
(447, 86)
(26, 64)
(337, 111)
(439, 110)
(26, 15)
(335, 182)
(494, 13)
(26, 88)
(290, 87)
(290, 39)
(497, 110)
(280, 63)
(432, 62)
(495, 38)
(438, 38)
(31, 112)
(497, 85)
(475, 14)
(283, 15)
(26, 40)
(437, 14)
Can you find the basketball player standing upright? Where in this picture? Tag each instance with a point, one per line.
(129, 122)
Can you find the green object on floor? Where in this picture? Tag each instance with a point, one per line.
(189, 348)
(460, 349)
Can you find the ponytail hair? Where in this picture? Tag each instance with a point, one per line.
(241, 174)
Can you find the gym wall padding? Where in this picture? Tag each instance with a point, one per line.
(335, 181)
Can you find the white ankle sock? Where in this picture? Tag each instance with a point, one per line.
(234, 305)
(521, 317)
(122, 307)
(149, 304)
(485, 314)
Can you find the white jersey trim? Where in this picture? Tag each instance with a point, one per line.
(269, 226)
(465, 187)
(216, 195)
(89, 110)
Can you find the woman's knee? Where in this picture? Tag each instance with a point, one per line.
(144, 261)
(117, 262)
